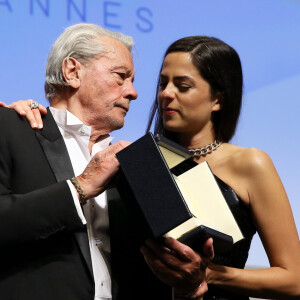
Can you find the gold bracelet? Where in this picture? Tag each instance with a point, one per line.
(82, 197)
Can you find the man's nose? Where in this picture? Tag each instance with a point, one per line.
(131, 92)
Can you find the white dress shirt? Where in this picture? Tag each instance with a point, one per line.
(76, 136)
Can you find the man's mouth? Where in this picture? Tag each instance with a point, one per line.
(123, 106)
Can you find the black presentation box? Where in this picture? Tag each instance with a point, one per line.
(148, 189)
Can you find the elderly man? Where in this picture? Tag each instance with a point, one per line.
(54, 216)
(48, 245)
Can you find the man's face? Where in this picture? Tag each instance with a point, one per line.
(106, 88)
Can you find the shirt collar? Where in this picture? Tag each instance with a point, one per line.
(64, 118)
(71, 124)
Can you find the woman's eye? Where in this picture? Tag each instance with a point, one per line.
(162, 85)
(183, 87)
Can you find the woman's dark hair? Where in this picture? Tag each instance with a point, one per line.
(219, 64)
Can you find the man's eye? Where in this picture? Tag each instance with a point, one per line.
(122, 75)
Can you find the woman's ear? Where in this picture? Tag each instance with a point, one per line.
(217, 102)
(71, 72)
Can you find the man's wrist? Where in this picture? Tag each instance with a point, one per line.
(82, 196)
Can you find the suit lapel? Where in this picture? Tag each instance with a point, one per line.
(57, 155)
(55, 149)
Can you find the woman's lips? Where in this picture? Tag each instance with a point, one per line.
(169, 111)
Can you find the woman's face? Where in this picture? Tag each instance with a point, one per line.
(185, 100)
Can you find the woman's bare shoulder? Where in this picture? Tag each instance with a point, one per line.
(247, 162)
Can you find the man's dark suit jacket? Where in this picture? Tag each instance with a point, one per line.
(44, 251)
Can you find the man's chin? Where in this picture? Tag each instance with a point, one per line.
(118, 125)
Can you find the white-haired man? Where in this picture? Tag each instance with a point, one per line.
(54, 213)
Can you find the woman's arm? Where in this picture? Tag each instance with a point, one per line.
(274, 221)
(22, 107)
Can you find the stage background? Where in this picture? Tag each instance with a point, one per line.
(265, 34)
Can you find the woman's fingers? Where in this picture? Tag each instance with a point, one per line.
(33, 115)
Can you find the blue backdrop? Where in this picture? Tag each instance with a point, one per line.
(265, 34)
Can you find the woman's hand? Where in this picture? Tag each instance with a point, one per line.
(33, 115)
(179, 266)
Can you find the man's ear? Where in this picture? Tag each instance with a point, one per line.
(71, 71)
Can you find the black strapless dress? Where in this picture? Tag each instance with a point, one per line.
(237, 256)
(133, 278)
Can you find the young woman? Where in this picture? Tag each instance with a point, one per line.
(198, 104)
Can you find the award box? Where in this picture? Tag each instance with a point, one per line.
(168, 194)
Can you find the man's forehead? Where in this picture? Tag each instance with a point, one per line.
(112, 45)
(116, 53)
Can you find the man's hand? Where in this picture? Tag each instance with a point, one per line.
(100, 170)
(179, 266)
(22, 107)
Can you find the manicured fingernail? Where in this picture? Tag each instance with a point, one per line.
(23, 112)
(34, 125)
(40, 126)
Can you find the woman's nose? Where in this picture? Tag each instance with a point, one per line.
(167, 92)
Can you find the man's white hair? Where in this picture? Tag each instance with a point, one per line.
(82, 42)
